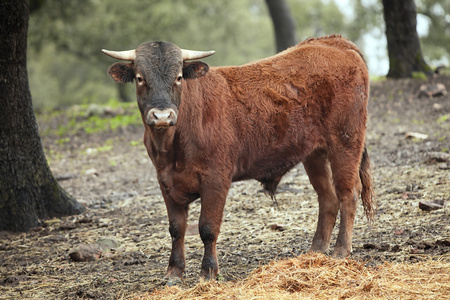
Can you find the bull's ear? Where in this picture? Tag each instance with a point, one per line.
(194, 69)
(121, 72)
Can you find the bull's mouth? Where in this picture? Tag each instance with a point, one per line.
(162, 126)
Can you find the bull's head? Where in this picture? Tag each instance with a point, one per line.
(158, 69)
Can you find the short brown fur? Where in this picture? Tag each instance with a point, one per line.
(257, 121)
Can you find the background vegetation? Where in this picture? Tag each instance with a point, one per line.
(66, 66)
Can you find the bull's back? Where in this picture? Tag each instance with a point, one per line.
(285, 106)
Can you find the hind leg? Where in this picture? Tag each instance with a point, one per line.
(318, 169)
(345, 169)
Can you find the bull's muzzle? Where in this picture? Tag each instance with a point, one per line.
(161, 118)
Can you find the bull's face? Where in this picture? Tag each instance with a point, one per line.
(158, 69)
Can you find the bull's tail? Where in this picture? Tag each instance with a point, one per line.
(367, 193)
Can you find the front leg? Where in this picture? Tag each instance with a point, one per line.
(213, 203)
(177, 228)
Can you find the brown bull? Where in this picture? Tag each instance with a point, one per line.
(205, 128)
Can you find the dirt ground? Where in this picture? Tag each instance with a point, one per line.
(110, 173)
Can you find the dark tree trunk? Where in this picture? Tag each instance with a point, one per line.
(405, 55)
(283, 23)
(28, 190)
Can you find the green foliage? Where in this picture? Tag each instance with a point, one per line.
(318, 18)
(136, 143)
(436, 43)
(367, 17)
(65, 37)
(443, 119)
(418, 122)
(59, 79)
(377, 78)
(419, 75)
(91, 118)
(63, 141)
(67, 67)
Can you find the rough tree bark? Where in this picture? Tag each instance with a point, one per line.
(28, 190)
(283, 23)
(405, 54)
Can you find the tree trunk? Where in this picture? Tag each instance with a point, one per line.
(405, 55)
(28, 190)
(283, 23)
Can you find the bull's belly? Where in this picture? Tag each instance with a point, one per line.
(266, 169)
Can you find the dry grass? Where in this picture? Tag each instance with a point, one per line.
(316, 276)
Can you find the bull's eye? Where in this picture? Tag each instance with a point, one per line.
(139, 79)
(179, 79)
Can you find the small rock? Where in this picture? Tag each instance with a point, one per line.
(104, 222)
(276, 227)
(55, 238)
(437, 157)
(437, 106)
(432, 205)
(132, 261)
(67, 226)
(107, 255)
(108, 243)
(443, 166)
(416, 135)
(432, 90)
(125, 203)
(84, 220)
(84, 252)
(91, 172)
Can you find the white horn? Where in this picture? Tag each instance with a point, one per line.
(189, 54)
(123, 55)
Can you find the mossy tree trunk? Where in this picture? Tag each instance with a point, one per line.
(28, 190)
(405, 54)
(283, 23)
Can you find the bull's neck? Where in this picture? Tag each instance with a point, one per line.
(159, 144)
